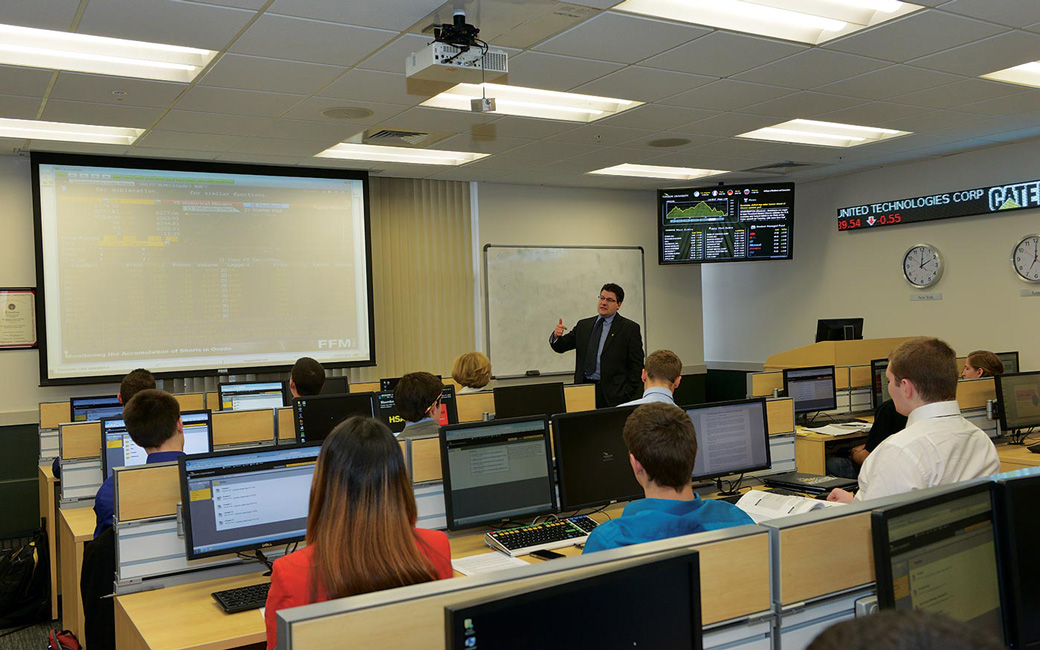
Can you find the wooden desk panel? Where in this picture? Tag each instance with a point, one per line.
(191, 401)
(1014, 457)
(235, 427)
(213, 401)
(147, 491)
(861, 377)
(426, 460)
(473, 406)
(367, 387)
(780, 416)
(76, 529)
(48, 513)
(824, 557)
(973, 393)
(764, 383)
(54, 413)
(80, 440)
(286, 424)
(580, 397)
(810, 449)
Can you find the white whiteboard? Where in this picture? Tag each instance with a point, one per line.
(529, 288)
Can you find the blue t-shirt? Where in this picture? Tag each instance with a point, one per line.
(105, 500)
(648, 520)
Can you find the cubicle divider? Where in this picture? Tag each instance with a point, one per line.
(238, 428)
(52, 414)
(79, 446)
(852, 385)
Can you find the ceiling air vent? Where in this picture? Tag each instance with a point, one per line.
(392, 137)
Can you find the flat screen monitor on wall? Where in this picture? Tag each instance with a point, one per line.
(733, 223)
(195, 268)
(839, 329)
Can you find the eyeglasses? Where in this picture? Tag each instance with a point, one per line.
(605, 299)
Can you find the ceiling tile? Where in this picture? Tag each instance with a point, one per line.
(1010, 105)
(643, 84)
(390, 88)
(261, 159)
(889, 82)
(299, 39)
(162, 21)
(1012, 14)
(727, 124)
(706, 158)
(435, 119)
(608, 157)
(553, 72)
(237, 102)
(79, 147)
(727, 95)
(810, 69)
(151, 152)
(239, 4)
(657, 116)
(957, 94)
(931, 121)
(985, 128)
(506, 164)
(188, 141)
(313, 107)
(723, 54)
(102, 114)
(19, 108)
(803, 104)
(391, 58)
(479, 143)
(12, 146)
(219, 123)
(327, 131)
(644, 143)
(621, 38)
(985, 56)
(468, 173)
(272, 75)
(548, 151)
(102, 89)
(527, 128)
(603, 135)
(41, 14)
(29, 82)
(397, 15)
(1011, 136)
(281, 147)
(906, 143)
(870, 114)
(919, 34)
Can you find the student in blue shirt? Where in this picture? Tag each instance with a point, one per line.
(662, 373)
(662, 447)
(153, 420)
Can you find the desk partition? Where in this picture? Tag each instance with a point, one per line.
(80, 459)
(243, 427)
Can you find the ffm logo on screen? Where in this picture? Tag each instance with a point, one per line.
(329, 344)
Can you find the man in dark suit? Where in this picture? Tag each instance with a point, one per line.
(608, 350)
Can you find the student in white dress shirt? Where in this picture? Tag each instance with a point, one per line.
(938, 446)
(662, 372)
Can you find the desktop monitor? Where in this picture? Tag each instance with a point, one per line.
(245, 499)
(335, 386)
(390, 383)
(939, 555)
(1018, 532)
(85, 409)
(732, 438)
(878, 383)
(316, 416)
(253, 395)
(121, 451)
(496, 470)
(812, 389)
(692, 390)
(839, 329)
(529, 399)
(592, 463)
(387, 411)
(1018, 399)
(1010, 361)
(532, 619)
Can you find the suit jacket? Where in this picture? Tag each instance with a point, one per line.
(621, 362)
(291, 576)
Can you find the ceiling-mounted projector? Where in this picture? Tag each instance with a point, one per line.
(456, 55)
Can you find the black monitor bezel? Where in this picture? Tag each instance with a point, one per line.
(875, 395)
(73, 400)
(286, 395)
(1018, 365)
(826, 325)
(765, 432)
(182, 477)
(998, 379)
(298, 421)
(834, 389)
(387, 384)
(451, 406)
(106, 471)
(558, 446)
(519, 388)
(1010, 558)
(325, 390)
(442, 437)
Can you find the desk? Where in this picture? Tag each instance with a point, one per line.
(77, 528)
(1014, 457)
(48, 512)
(810, 449)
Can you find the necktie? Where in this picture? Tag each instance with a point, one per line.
(593, 350)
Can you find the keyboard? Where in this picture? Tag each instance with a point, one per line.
(539, 537)
(243, 598)
(846, 421)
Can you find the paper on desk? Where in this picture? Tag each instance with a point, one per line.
(486, 563)
(841, 429)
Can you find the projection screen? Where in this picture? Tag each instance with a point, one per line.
(194, 268)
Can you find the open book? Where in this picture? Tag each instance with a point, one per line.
(761, 505)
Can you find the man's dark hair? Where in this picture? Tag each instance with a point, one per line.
(151, 417)
(308, 376)
(415, 393)
(616, 290)
(930, 364)
(135, 382)
(909, 629)
(662, 439)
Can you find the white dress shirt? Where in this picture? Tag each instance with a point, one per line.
(937, 447)
(653, 394)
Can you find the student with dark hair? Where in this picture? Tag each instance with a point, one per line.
(307, 377)
(662, 447)
(661, 376)
(153, 420)
(361, 534)
(417, 398)
(896, 629)
(982, 363)
(608, 349)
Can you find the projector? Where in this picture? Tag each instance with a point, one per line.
(445, 62)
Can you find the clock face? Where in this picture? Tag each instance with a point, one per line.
(1026, 258)
(922, 265)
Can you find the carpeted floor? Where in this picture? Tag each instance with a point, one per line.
(31, 638)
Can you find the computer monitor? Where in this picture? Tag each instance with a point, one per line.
(316, 416)
(839, 329)
(732, 438)
(496, 470)
(812, 389)
(1018, 400)
(390, 383)
(670, 619)
(245, 499)
(939, 555)
(1010, 361)
(387, 411)
(84, 409)
(691, 390)
(592, 465)
(121, 451)
(878, 383)
(335, 386)
(1018, 532)
(252, 395)
(529, 399)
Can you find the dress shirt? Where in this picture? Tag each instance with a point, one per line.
(653, 394)
(648, 520)
(937, 447)
(104, 501)
(422, 428)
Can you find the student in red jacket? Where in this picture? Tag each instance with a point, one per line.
(361, 534)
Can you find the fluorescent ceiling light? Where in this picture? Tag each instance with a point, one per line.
(825, 134)
(1027, 74)
(44, 48)
(65, 132)
(532, 102)
(350, 151)
(805, 21)
(658, 171)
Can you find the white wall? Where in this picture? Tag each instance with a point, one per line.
(753, 310)
(555, 216)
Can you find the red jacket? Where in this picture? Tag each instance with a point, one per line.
(291, 576)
